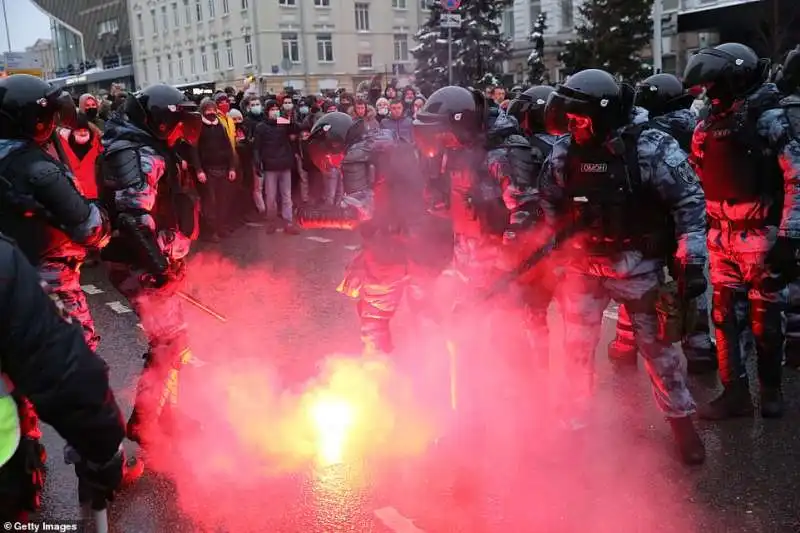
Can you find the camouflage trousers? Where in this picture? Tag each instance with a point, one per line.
(378, 284)
(792, 315)
(742, 283)
(584, 299)
(537, 289)
(697, 345)
(63, 278)
(161, 313)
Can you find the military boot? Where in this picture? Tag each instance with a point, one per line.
(771, 402)
(690, 446)
(735, 401)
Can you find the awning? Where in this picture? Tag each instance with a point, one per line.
(723, 18)
(124, 71)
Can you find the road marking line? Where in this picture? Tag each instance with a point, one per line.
(254, 224)
(352, 247)
(398, 523)
(91, 289)
(195, 362)
(319, 239)
(119, 307)
(612, 314)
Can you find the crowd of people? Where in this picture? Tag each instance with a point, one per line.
(584, 192)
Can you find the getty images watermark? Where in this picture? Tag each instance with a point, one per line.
(61, 527)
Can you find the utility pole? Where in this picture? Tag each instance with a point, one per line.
(8, 35)
(303, 47)
(657, 37)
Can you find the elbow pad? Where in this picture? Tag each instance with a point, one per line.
(145, 244)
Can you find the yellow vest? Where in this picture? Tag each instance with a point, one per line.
(9, 423)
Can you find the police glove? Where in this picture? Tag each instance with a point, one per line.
(101, 480)
(782, 258)
(692, 283)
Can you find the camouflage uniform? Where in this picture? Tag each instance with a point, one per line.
(697, 345)
(628, 275)
(158, 308)
(744, 229)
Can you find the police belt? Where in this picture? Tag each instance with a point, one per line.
(738, 225)
(650, 246)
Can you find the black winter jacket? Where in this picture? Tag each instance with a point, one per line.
(273, 146)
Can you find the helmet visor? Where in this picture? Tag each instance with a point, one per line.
(434, 139)
(705, 68)
(325, 154)
(191, 126)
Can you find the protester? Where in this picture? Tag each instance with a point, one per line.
(399, 122)
(216, 175)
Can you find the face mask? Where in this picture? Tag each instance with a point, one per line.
(383, 111)
(224, 106)
(304, 110)
(210, 119)
(274, 114)
(288, 106)
(409, 100)
(81, 138)
(256, 110)
(91, 113)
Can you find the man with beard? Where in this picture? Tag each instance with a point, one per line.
(614, 185)
(384, 199)
(747, 154)
(668, 106)
(155, 213)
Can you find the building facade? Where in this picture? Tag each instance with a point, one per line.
(306, 44)
(44, 53)
(91, 42)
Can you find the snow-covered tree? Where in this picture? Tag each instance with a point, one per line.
(537, 70)
(479, 47)
(611, 35)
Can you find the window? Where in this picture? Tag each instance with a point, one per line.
(401, 47)
(508, 23)
(198, 10)
(362, 17)
(164, 19)
(192, 66)
(169, 66)
(212, 8)
(290, 46)
(187, 11)
(203, 59)
(364, 60)
(425, 5)
(325, 48)
(155, 21)
(226, 8)
(535, 9)
(180, 63)
(176, 18)
(399, 4)
(159, 72)
(107, 26)
(245, 5)
(287, 2)
(139, 24)
(215, 53)
(567, 11)
(248, 50)
(322, 3)
(229, 52)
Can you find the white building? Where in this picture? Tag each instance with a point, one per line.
(44, 52)
(307, 44)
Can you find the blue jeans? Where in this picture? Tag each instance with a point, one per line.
(275, 181)
(333, 186)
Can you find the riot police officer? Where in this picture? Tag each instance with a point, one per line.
(538, 284)
(787, 79)
(155, 213)
(44, 358)
(746, 154)
(384, 199)
(42, 209)
(668, 105)
(616, 215)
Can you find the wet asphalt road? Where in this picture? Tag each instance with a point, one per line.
(619, 474)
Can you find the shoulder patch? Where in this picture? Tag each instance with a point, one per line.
(684, 172)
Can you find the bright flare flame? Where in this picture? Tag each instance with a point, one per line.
(333, 419)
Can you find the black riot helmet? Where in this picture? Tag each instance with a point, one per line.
(728, 72)
(787, 78)
(528, 108)
(661, 94)
(594, 97)
(29, 108)
(453, 117)
(329, 138)
(163, 110)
